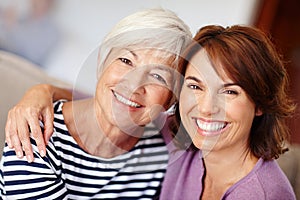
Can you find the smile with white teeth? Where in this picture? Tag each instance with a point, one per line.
(210, 126)
(126, 101)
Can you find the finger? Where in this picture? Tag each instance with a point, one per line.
(12, 134)
(26, 144)
(24, 138)
(17, 145)
(37, 134)
(48, 124)
(9, 127)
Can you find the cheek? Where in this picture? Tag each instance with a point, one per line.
(159, 95)
(187, 101)
(99, 87)
(113, 74)
(242, 111)
(184, 117)
(187, 106)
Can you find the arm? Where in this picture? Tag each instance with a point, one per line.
(36, 105)
(38, 180)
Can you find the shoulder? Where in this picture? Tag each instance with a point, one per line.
(274, 181)
(20, 179)
(265, 181)
(59, 120)
(185, 168)
(57, 106)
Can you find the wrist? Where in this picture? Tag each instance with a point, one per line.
(49, 89)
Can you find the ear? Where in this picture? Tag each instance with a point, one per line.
(258, 112)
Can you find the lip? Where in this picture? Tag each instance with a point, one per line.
(125, 101)
(210, 127)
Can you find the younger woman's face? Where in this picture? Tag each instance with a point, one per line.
(215, 111)
(134, 88)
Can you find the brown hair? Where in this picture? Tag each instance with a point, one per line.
(249, 58)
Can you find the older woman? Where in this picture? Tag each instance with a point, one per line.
(233, 106)
(100, 147)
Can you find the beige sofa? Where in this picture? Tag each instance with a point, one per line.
(290, 164)
(17, 75)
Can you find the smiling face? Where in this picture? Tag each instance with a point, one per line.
(134, 88)
(215, 111)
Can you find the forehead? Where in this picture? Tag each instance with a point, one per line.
(200, 64)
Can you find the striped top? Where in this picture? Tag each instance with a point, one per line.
(69, 172)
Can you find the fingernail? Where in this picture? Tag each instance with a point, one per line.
(29, 158)
(19, 154)
(42, 152)
(9, 145)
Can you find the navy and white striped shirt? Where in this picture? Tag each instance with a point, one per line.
(68, 172)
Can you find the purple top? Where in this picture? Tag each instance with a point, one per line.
(183, 179)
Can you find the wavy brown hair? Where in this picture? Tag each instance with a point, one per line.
(249, 58)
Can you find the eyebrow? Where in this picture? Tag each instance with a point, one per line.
(199, 81)
(231, 84)
(163, 67)
(159, 66)
(131, 52)
(193, 78)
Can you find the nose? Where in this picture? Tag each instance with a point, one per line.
(208, 104)
(134, 81)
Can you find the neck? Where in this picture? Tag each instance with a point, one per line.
(93, 132)
(217, 164)
(224, 169)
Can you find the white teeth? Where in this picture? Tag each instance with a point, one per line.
(126, 101)
(210, 127)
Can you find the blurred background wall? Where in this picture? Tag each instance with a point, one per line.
(281, 19)
(69, 30)
(62, 35)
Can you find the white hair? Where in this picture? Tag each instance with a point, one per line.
(151, 28)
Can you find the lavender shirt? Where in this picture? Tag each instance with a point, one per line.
(183, 179)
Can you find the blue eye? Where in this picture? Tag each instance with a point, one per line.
(160, 78)
(126, 61)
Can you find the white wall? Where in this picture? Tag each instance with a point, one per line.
(84, 24)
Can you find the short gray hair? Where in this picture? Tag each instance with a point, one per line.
(151, 28)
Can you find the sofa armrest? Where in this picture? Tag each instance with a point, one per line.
(290, 164)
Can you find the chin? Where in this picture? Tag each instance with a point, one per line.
(198, 144)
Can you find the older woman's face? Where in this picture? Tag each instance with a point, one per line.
(216, 112)
(134, 88)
